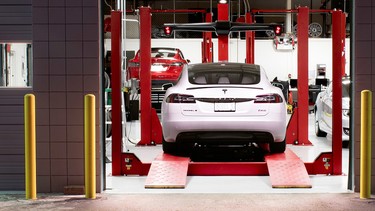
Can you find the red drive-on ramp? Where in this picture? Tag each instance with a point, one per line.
(168, 171)
(287, 170)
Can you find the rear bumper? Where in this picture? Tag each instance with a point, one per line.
(224, 129)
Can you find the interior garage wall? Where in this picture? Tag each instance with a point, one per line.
(66, 68)
(364, 75)
(283, 61)
(15, 26)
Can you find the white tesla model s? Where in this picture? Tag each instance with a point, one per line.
(223, 104)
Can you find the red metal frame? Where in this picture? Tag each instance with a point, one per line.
(287, 11)
(303, 74)
(132, 165)
(207, 51)
(326, 163)
(338, 44)
(145, 74)
(150, 125)
(116, 17)
(292, 131)
(222, 10)
(249, 41)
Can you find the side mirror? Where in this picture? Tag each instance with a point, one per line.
(188, 60)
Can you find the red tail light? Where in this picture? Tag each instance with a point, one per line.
(180, 98)
(268, 98)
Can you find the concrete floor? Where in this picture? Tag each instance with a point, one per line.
(208, 193)
(231, 184)
(191, 202)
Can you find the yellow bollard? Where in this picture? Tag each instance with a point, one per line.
(366, 123)
(90, 170)
(30, 146)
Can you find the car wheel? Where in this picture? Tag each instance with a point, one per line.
(278, 147)
(318, 132)
(174, 148)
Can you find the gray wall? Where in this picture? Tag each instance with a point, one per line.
(15, 20)
(66, 67)
(364, 70)
(15, 26)
(65, 42)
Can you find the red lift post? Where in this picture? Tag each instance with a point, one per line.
(150, 125)
(145, 74)
(338, 70)
(222, 10)
(207, 43)
(116, 18)
(249, 41)
(303, 75)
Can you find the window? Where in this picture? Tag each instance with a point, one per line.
(224, 74)
(15, 63)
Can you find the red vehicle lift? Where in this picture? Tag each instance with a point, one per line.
(326, 163)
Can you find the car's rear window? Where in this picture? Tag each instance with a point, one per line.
(163, 53)
(224, 73)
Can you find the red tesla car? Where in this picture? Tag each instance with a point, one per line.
(166, 66)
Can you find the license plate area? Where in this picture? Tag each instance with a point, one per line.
(225, 107)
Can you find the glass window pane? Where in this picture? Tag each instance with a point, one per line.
(15, 63)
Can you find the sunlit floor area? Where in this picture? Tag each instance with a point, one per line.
(229, 184)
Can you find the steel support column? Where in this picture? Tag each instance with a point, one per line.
(222, 10)
(250, 35)
(116, 17)
(145, 73)
(303, 62)
(337, 65)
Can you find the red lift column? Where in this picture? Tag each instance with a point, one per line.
(207, 43)
(222, 10)
(116, 17)
(249, 41)
(145, 73)
(337, 72)
(303, 62)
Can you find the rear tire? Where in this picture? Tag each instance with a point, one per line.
(177, 149)
(278, 147)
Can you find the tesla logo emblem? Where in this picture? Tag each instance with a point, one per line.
(225, 90)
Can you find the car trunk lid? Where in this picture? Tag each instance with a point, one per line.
(226, 101)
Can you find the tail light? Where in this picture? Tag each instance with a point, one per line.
(180, 98)
(133, 64)
(268, 98)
